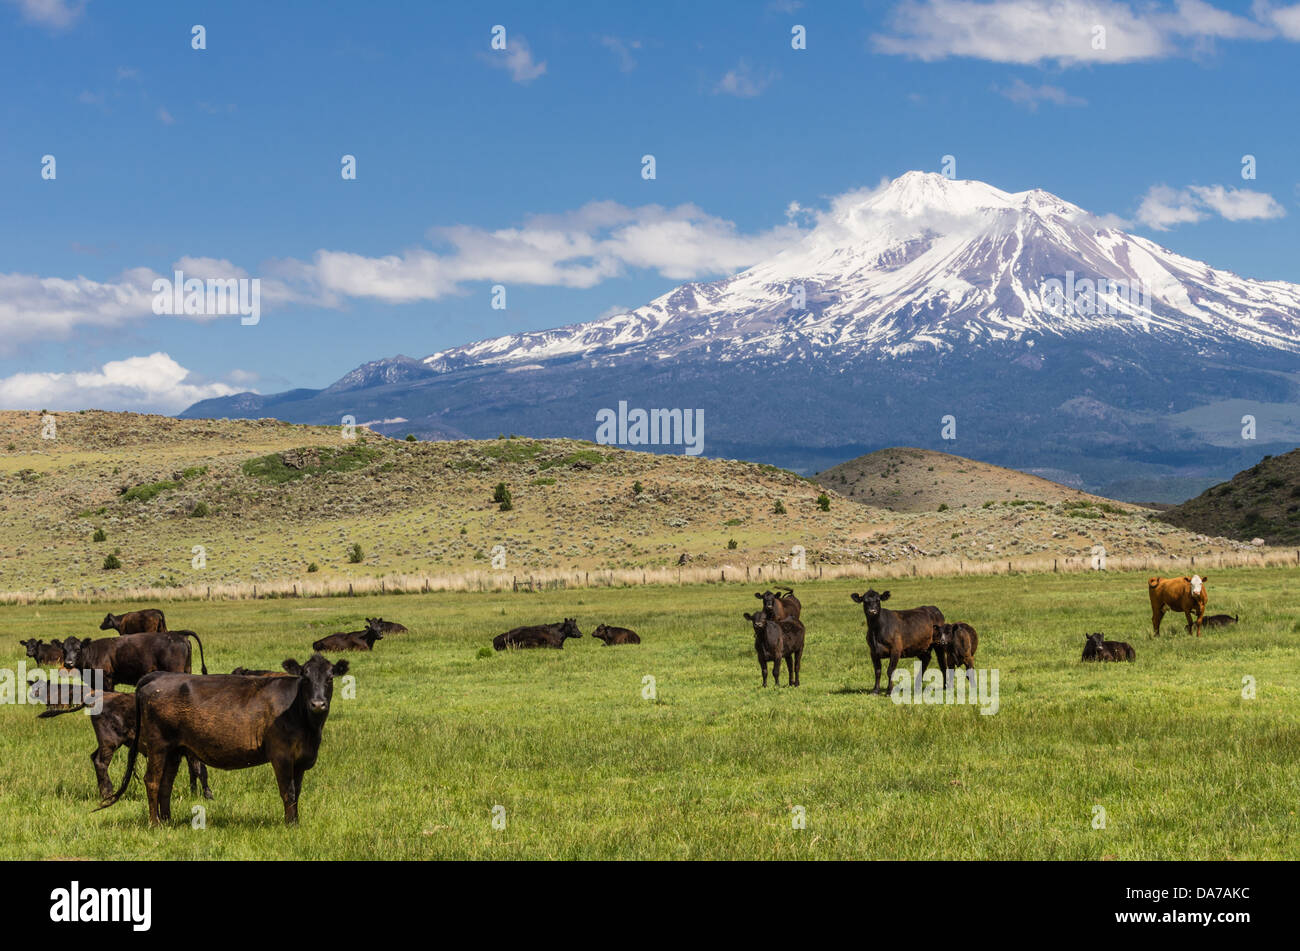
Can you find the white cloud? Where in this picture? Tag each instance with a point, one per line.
(1163, 207)
(1060, 31)
(517, 59)
(56, 14)
(1023, 94)
(152, 384)
(744, 82)
(1286, 20)
(164, 116)
(623, 50)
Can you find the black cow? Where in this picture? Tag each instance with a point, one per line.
(538, 635)
(379, 625)
(775, 641)
(114, 725)
(148, 621)
(786, 605)
(47, 655)
(955, 644)
(1221, 620)
(231, 722)
(1097, 648)
(615, 635)
(124, 660)
(349, 641)
(897, 634)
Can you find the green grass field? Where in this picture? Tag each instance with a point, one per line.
(437, 736)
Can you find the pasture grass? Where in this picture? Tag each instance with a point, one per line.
(585, 767)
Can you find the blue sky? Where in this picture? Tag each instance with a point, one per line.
(523, 166)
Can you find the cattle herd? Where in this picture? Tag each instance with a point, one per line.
(250, 716)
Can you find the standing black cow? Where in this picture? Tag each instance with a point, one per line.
(775, 641)
(231, 722)
(124, 660)
(148, 621)
(897, 634)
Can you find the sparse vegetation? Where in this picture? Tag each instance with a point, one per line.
(99, 536)
(112, 562)
(355, 554)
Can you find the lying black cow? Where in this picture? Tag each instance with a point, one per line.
(615, 635)
(1097, 648)
(538, 635)
(897, 634)
(124, 660)
(231, 722)
(1220, 620)
(114, 725)
(379, 625)
(148, 621)
(348, 641)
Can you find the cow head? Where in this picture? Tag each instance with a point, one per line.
(601, 632)
(110, 622)
(942, 636)
(72, 648)
(1096, 640)
(758, 619)
(371, 635)
(570, 627)
(374, 624)
(871, 602)
(316, 686)
(1198, 584)
(31, 644)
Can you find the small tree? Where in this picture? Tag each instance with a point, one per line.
(313, 568)
(112, 562)
(355, 554)
(99, 536)
(410, 437)
(779, 508)
(201, 511)
(731, 543)
(501, 495)
(637, 487)
(824, 502)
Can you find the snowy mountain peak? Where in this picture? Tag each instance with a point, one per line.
(927, 263)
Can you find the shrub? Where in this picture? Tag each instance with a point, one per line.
(410, 437)
(943, 506)
(731, 543)
(355, 554)
(99, 536)
(501, 495)
(824, 502)
(112, 562)
(485, 652)
(779, 508)
(637, 487)
(313, 568)
(201, 511)
(147, 491)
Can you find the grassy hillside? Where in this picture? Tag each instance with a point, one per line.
(1261, 502)
(266, 501)
(920, 480)
(585, 767)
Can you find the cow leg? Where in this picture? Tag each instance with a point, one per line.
(298, 773)
(198, 776)
(776, 671)
(789, 669)
(762, 666)
(893, 665)
(798, 665)
(152, 777)
(288, 791)
(171, 763)
(876, 662)
(101, 758)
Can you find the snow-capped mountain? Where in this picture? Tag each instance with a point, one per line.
(1056, 340)
(928, 263)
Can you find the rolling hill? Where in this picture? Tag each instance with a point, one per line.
(267, 500)
(1260, 502)
(920, 480)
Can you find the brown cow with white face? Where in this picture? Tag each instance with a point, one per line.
(1188, 595)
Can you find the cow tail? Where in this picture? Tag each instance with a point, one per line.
(203, 664)
(130, 759)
